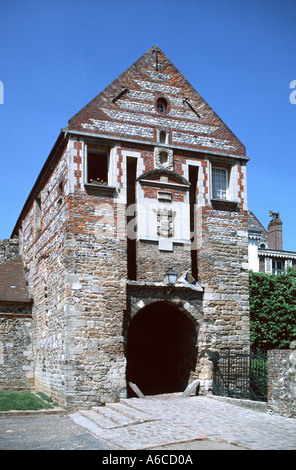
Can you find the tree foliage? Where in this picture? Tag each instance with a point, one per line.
(272, 310)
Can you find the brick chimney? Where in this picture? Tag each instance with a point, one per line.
(275, 233)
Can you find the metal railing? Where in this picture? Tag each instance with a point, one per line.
(240, 375)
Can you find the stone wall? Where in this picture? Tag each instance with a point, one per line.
(96, 262)
(282, 382)
(43, 255)
(224, 274)
(16, 351)
(76, 264)
(8, 249)
(76, 268)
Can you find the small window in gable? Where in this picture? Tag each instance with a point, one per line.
(163, 137)
(161, 105)
(61, 188)
(38, 213)
(97, 167)
(60, 191)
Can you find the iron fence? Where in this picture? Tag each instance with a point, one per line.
(240, 375)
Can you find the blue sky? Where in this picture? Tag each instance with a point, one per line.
(240, 55)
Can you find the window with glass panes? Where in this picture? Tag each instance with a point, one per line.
(277, 267)
(219, 183)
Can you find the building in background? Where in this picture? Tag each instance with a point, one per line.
(266, 252)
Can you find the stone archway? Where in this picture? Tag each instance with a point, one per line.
(161, 349)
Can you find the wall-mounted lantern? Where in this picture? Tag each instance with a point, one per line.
(170, 277)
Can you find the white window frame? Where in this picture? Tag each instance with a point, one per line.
(226, 183)
(89, 149)
(288, 263)
(276, 269)
(268, 265)
(159, 131)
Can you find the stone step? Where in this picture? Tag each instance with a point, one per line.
(112, 415)
(89, 424)
(135, 415)
(99, 419)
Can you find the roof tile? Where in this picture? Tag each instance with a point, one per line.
(13, 286)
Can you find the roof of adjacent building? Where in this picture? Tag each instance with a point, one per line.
(13, 286)
(269, 253)
(258, 232)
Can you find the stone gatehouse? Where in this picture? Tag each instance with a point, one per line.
(144, 178)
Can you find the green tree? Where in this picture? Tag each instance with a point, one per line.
(272, 310)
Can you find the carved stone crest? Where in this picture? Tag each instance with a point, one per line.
(163, 158)
(165, 222)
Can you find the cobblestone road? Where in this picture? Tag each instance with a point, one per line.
(162, 422)
(171, 419)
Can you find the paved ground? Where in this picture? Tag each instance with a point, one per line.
(46, 432)
(56, 432)
(163, 422)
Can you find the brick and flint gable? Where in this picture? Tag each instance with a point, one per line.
(127, 109)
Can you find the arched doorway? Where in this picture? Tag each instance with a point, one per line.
(161, 349)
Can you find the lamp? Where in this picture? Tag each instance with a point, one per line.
(170, 277)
